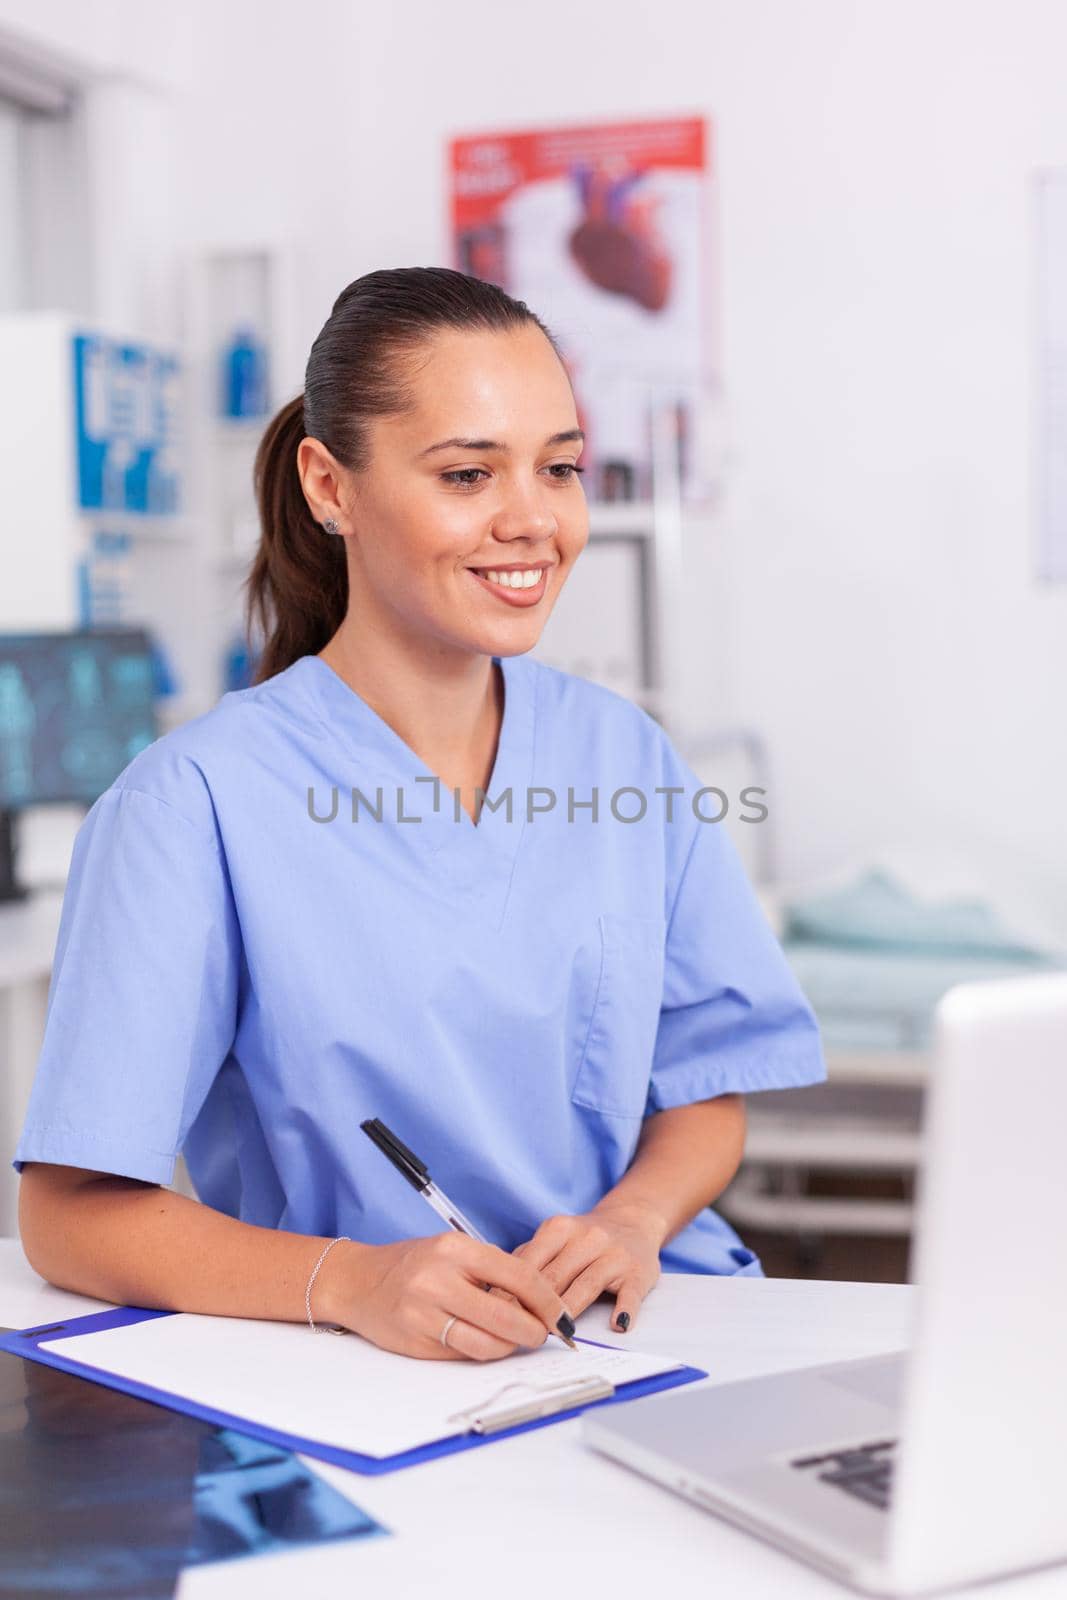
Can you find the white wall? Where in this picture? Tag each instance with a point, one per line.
(874, 168)
(273, 146)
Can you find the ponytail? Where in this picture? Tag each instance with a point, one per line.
(297, 589)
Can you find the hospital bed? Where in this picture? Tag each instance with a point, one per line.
(855, 1137)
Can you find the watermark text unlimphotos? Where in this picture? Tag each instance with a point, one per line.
(627, 804)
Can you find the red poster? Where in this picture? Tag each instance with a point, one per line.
(604, 231)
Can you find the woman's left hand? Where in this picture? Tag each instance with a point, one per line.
(611, 1248)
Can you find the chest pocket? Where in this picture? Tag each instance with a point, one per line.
(616, 1061)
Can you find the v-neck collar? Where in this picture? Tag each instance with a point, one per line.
(460, 848)
(360, 726)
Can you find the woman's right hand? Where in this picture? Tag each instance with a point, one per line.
(401, 1296)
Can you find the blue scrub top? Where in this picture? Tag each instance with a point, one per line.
(252, 959)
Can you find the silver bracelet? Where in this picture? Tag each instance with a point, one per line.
(325, 1328)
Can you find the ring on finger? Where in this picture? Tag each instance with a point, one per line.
(446, 1330)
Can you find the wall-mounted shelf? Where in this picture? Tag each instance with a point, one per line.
(236, 285)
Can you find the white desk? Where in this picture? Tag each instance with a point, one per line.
(539, 1515)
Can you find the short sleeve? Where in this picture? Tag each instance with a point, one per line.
(734, 1018)
(143, 997)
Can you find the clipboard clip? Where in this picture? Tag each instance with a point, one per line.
(543, 1402)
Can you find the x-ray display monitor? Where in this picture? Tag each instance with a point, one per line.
(75, 708)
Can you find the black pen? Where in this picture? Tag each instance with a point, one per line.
(417, 1174)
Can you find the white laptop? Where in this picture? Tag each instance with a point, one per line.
(922, 1470)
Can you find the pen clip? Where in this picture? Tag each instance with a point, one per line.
(543, 1400)
(404, 1160)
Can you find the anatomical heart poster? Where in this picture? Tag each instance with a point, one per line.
(605, 231)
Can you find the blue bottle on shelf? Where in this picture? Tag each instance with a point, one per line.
(245, 375)
(240, 664)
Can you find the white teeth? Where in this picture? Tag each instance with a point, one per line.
(515, 580)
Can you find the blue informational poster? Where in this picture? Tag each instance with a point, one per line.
(126, 420)
(103, 579)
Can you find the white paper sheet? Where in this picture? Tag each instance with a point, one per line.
(337, 1391)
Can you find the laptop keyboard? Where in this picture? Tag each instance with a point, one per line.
(865, 1471)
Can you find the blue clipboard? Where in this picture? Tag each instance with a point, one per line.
(36, 1344)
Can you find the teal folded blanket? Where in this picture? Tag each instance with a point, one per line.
(878, 912)
(873, 960)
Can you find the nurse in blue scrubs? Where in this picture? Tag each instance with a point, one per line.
(410, 874)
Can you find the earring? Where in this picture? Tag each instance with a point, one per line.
(329, 526)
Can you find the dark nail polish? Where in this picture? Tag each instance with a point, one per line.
(622, 1321)
(566, 1326)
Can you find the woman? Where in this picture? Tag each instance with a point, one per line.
(296, 912)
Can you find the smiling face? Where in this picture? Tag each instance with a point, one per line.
(479, 476)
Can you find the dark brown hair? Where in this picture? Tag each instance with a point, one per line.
(297, 589)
